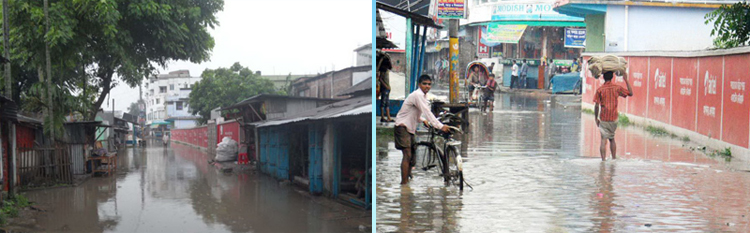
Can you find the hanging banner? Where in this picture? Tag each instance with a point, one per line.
(575, 37)
(483, 50)
(497, 33)
(451, 9)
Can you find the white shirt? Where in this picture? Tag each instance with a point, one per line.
(515, 70)
(411, 112)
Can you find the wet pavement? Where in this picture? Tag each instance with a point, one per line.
(534, 166)
(177, 190)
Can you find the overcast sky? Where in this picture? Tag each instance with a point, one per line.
(279, 37)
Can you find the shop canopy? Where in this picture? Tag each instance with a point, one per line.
(535, 23)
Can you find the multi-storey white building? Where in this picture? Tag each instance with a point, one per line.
(167, 98)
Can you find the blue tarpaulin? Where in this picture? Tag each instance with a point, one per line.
(564, 82)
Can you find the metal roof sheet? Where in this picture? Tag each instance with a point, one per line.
(350, 107)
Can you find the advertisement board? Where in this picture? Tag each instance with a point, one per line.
(451, 9)
(498, 33)
(684, 92)
(736, 110)
(660, 86)
(709, 96)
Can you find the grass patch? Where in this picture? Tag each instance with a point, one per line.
(385, 134)
(657, 131)
(623, 120)
(11, 207)
(686, 139)
(589, 111)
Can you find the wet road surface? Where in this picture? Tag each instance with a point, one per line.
(534, 166)
(176, 190)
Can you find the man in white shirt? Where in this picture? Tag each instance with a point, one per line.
(514, 75)
(406, 123)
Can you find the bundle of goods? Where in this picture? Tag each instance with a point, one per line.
(599, 65)
(226, 150)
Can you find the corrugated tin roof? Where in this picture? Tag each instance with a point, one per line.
(363, 87)
(350, 107)
(263, 97)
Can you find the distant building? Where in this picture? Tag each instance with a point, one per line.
(280, 82)
(330, 84)
(364, 55)
(167, 98)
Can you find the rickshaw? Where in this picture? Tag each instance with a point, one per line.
(476, 98)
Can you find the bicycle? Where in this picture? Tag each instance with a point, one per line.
(447, 156)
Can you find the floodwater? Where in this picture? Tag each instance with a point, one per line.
(175, 190)
(534, 166)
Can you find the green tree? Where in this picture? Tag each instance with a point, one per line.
(133, 109)
(731, 25)
(225, 86)
(98, 44)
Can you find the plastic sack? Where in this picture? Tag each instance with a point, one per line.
(226, 150)
(599, 65)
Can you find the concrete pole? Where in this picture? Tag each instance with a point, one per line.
(408, 54)
(453, 53)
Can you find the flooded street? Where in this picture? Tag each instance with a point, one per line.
(534, 166)
(176, 190)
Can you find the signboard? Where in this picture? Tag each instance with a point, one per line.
(530, 12)
(497, 33)
(451, 9)
(483, 50)
(575, 37)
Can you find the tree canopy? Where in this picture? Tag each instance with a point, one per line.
(731, 25)
(97, 44)
(225, 86)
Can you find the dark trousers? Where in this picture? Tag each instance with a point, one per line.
(513, 81)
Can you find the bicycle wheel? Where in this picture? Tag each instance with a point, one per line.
(427, 153)
(455, 166)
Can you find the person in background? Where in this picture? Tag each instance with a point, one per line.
(606, 100)
(514, 75)
(489, 92)
(524, 73)
(383, 69)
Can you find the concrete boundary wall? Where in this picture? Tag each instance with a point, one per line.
(197, 136)
(699, 94)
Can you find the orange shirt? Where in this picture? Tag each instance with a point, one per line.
(606, 97)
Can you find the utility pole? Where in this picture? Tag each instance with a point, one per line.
(453, 52)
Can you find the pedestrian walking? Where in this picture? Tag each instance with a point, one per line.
(406, 124)
(384, 67)
(514, 75)
(606, 100)
(524, 73)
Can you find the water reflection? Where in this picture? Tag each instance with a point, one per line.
(534, 166)
(174, 189)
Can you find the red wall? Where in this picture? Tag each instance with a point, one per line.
(709, 96)
(684, 92)
(736, 110)
(228, 129)
(701, 94)
(659, 88)
(195, 136)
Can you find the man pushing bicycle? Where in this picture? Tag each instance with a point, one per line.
(406, 123)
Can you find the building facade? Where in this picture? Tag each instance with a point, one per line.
(167, 98)
(330, 84)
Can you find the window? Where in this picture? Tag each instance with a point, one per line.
(163, 89)
(171, 87)
(179, 105)
(152, 91)
(157, 101)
